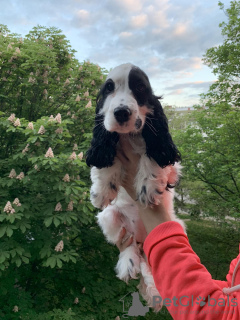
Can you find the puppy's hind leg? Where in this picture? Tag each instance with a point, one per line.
(111, 221)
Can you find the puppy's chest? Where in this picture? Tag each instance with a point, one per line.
(137, 142)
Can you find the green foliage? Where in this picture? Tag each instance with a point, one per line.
(54, 260)
(210, 146)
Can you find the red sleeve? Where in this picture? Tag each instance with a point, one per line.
(183, 281)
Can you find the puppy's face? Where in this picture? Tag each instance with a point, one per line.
(124, 102)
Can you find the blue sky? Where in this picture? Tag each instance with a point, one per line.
(166, 38)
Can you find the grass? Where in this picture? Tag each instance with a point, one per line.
(216, 244)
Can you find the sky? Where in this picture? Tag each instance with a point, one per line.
(165, 38)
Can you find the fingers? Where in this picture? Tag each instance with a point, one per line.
(122, 245)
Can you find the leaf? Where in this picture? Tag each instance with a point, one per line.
(51, 262)
(24, 259)
(9, 231)
(48, 221)
(56, 221)
(2, 231)
(59, 263)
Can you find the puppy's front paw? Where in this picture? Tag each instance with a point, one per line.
(150, 191)
(128, 265)
(102, 196)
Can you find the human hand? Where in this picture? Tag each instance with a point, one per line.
(122, 243)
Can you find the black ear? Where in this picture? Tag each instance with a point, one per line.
(159, 143)
(103, 145)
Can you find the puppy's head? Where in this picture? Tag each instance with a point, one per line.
(126, 104)
(124, 99)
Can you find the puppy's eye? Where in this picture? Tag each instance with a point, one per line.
(109, 86)
(140, 87)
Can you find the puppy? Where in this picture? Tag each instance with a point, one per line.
(128, 109)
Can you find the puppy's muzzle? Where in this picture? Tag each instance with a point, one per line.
(122, 114)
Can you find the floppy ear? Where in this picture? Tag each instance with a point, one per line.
(159, 144)
(103, 145)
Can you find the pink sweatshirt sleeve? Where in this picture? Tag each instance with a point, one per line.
(186, 287)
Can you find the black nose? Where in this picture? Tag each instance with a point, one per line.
(122, 114)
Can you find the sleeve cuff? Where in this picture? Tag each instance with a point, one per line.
(161, 232)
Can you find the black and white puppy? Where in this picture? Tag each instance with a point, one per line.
(128, 109)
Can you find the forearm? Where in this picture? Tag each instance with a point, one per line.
(153, 216)
(181, 278)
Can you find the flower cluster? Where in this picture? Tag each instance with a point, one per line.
(70, 206)
(58, 207)
(73, 156)
(25, 149)
(20, 176)
(80, 155)
(12, 174)
(12, 117)
(66, 178)
(17, 202)
(49, 153)
(17, 123)
(8, 208)
(89, 104)
(59, 246)
(41, 130)
(30, 126)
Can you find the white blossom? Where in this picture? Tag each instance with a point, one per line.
(73, 156)
(59, 130)
(17, 202)
(59, 246)
(58, 207)
(89, 104)
(66, 82)
(30, 126)
(17, 123)
(25, 149)
(8, 207)
(12, 117)
(75, 147)
(58, 118)
(49, 153)
(12, 174)
(70, 206)
(20, 176)
(41, 130)
(15, 309)
(51, 118)
(66, 178)
(76, 301)
(78, 98)
(80, 155)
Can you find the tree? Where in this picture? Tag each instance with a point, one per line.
(53, 256)
(211, 147)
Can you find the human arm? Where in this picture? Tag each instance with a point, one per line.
(177, 271)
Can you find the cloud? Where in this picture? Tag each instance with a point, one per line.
(82, 18)
(125, 34)
(203, 85)
(130, 5)
(139, 21)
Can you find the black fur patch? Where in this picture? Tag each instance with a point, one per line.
(113, 186)
(131, 262)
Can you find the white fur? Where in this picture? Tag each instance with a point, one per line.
(122, 95)
(123, 211)
(150, 185)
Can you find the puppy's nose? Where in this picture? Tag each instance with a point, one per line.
(122, 114)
